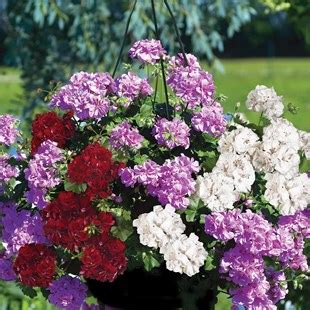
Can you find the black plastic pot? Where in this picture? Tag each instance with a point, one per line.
(139, 290)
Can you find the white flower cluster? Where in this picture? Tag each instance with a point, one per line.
(265, 100)
(233, 173)
(163, 228)
(276, 155)
(184, 254)
(158, 227)
(288, 194)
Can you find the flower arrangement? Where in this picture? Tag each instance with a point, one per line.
(118, 178)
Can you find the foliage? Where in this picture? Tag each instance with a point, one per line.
(52, 39)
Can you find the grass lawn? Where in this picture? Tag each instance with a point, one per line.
(10, 90)
(289, 77)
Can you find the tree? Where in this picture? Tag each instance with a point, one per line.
(53, 38)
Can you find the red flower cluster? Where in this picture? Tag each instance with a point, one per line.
(35, 265)
(105, 260)
(94, 166)
(71, 222)
(49, 126)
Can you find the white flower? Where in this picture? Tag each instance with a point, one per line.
(262, 160)
(184, 254)
(266, 100)
(238, 168)
(241, 140)
(281, 132)
(305, 142)
(156, 228)
(216, 191)
(287, 195)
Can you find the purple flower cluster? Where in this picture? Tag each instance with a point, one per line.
(6, 170)
(6, 270)
(86, 95)
(210, 119)
(42, 172)
(256, 286)
(67, 293)
(171, 133)
(178, 61)
(193, 85)
(19, 228)
(171, 182)
(8, 130)
(147, 51)
(125, 135)
(132, 87)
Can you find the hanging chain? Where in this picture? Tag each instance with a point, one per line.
(177, 32)
(161, 60)
(124, 39)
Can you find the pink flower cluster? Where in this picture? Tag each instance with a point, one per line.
(210, 120)
(193, 85)
(67, 293)
(147, 51)
(256, 285)
(125, 135)
(8, 130)
(132, 87)
(86, 95)
(19, 228)
(6, 170)
(171, 133)
(42, 172)
(171, 182)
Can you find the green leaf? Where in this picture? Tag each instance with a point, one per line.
(28, 291)
(150, 261)
(209, 263)
(75, 188)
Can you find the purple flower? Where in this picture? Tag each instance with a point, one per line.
(125, 135)
(171, 183)
(253, 296)
(20, 228)
(193, 85)
(298, 223)
(132, 87)
(178, 61)
(210, 120)
(6, 270)
(242, 267)
(278, 285)
(6, 170)
(42, 172)
(86, 95)
(222, 225)
(171, 133)
(248, 229)
(67, 293)
(147, 51)
(8, 130)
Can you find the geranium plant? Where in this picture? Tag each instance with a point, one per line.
(120, 177)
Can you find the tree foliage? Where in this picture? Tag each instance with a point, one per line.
(53, 38)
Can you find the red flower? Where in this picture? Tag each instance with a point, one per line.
(94, 166)
(49, 126)
(104, 260)
(71, 222)
(35, 265)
